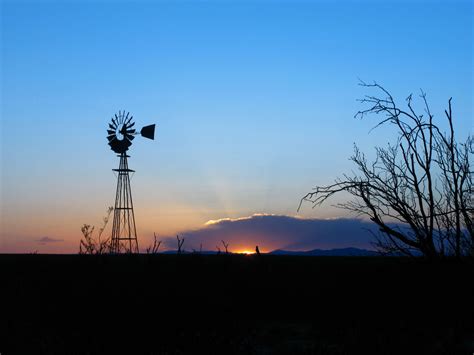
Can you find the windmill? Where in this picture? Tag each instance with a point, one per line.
(120, 136)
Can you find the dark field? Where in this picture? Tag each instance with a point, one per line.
(228, 304)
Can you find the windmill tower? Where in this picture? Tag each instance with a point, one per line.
(120, 136)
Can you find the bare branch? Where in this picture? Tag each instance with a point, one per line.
(423, 183)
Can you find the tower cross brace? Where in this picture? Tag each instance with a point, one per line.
(124, 233)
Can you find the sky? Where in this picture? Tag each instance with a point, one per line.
(254, 103)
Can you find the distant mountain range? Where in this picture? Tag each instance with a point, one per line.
(315, 252)
(330, 252)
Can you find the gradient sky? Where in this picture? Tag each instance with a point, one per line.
(254, 103)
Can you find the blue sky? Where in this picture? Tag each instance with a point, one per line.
(254, 103)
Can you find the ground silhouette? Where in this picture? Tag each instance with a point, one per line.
(229, 304)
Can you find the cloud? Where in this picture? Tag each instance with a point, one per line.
(45, 240)
(278, 232)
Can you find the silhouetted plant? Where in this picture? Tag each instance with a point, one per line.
(418, 191)
(89, 245)
(153, 249)
(124, 247)
(226, 246)
(180, 244)
(218, 249)
(257, 250)
(200, 250)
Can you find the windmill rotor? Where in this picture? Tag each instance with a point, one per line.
(121, 132)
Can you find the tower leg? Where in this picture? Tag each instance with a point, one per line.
(124, 233)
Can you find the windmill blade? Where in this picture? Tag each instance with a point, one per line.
(130, 131)
(130, 137)
(131, 125)
(116, 146)
(111, 137)
(118, 120)
(112, 127)
(128, 121)
(126, 143)
(115, 123)
(148, 132)
(110, 131)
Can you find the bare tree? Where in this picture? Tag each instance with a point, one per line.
(419, 190)
(226, 246)
(180, 244)
(218, 249)
(89, 245)
(153, 249)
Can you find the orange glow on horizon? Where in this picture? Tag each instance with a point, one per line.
(246, 252)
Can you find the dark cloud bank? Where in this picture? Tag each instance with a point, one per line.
(45, 240)
(272, 232)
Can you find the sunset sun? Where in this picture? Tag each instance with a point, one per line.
(247, 252)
